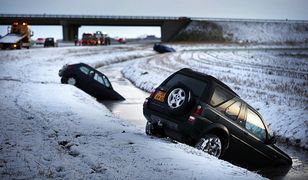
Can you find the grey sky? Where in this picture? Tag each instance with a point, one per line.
(247, 9)
(260, 9)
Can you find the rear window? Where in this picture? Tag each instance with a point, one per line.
(220, 96)
(197, 86)
(49, 39)
(84, 69)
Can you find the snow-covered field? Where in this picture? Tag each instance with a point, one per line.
(274, 81)
(50, 130)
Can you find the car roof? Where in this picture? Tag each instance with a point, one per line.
(92, 68)
(84, 64)
(206, 77)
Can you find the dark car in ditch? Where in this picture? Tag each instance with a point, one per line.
(89, 80)
(162, 48)
(201, 111)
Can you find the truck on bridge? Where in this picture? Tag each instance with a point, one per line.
(18, 36)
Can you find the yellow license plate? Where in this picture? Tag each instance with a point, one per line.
(160, 96)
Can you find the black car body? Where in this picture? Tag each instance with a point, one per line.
(49, 42)
(89, 80)
(201, 111)
(162, 48)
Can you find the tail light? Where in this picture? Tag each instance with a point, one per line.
(68, 67)
(147, 99)
(152, 93)
(198, 110)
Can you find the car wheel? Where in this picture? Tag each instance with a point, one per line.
(72, 81)
(179, 99)
(149, 128)
(152, 130)
(211, 144)
(64, 80)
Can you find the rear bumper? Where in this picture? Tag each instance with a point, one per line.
(156, 118)
(179, 129)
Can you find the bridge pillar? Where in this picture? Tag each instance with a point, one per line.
(70, 31)
(171, 28)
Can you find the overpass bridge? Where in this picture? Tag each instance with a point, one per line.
(170, 26)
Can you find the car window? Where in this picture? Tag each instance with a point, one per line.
(233, 110)
(99, 79)
(219, 96)
(195, 85)
(84, 69)
(107, 83)
(255, 125)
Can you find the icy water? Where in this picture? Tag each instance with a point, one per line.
(299, 169)
(130, 110)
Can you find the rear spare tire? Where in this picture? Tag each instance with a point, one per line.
(179, 99)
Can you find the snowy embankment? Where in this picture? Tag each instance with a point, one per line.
(51, 130)
(273, 81)
(241, 31)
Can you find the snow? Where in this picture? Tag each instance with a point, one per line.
(265, 32)
(10, 38)
(272, 80)
(51, 130)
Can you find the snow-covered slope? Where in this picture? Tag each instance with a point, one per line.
(50, 130)
(273, 81)
(276, 32)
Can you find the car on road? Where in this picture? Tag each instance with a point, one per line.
(40, 41)
(162, 48)
(121, 40)
(89, 80)
(200, 110)
(49, 42)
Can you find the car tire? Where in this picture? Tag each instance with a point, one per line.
(64, 80)
(211, 144)
(152, 130)
(179, 99)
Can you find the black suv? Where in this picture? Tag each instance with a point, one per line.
(201, 111)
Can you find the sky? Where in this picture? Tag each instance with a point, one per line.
(244, 9)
